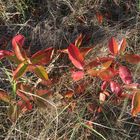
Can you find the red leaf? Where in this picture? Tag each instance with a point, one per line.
(104, 59)
(113, 46)
(17, 43)
(104, 85)
(100, 63)
(125, 75)
(18, 39)
(93, 72)
(75, 56)
(21, 104)
(132, 58)
(136, 103)
(69, 94)
(106, 65)
(100, 67)
(122, 45)
(99, 17)
(43, 92)
(85, 51)
(107, 74)
(80, 87)
(77, 75)
(42, 57)
(26, 99)
(115, 88)
(25, 87)
(49, 82)
(4, 53)
(92, 64)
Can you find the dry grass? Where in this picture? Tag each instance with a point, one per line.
(56, 23)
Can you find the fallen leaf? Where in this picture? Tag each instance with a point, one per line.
(69, 94)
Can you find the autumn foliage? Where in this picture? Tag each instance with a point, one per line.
(117, 79)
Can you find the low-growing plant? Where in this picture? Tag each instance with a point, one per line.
(111, 70)
(24, 62)
(116, 77)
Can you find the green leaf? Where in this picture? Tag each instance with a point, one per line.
(21, 69)
(41, 72)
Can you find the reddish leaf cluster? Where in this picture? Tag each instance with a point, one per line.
(107, 68)
(116, 78)
(27, 63)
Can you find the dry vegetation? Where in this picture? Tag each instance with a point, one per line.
(56, 23)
